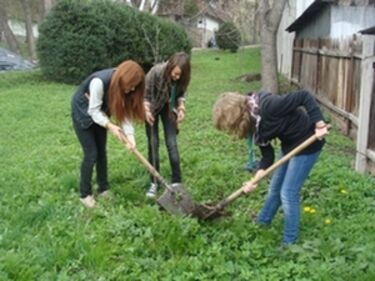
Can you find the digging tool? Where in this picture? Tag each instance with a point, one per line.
(176, 199)
(209, 212)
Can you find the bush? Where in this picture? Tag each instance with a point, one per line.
(228, 37)
(79, 38)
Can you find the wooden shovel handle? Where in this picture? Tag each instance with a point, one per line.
(147, 164)
(269, 170)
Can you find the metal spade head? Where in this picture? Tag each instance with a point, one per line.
(176, 200)
(208, 211)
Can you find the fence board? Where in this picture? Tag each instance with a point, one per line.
(371, 135)
(331, 68)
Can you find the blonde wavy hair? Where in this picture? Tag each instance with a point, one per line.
(231, 115)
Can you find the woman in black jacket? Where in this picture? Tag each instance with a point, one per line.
(114, 91)
(292, 118)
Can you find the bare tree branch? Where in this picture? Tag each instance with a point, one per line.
(142, 5)
(154, 6)
(29, 28)
(154, 45)
(8, 33)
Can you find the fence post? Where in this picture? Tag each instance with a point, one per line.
(368, 58)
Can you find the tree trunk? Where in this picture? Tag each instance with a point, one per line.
(154, 6)
(47, 5)
(142, 5)
(270, 18)
(8, 33)
(255, 29)
(29, 28)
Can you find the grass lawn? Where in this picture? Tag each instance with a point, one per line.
(46, 234)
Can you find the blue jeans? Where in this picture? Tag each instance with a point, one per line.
(284, 190)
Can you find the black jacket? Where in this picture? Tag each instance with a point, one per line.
(291, 118)
(80, 103)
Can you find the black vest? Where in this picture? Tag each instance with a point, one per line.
(80, 102)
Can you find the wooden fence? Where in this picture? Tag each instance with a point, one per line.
(338, 72)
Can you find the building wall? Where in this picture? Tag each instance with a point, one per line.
(285, 40)
(318, 27)
(208, 23)
(347, 20)
(293, 9)
(207, 26)
(301, 6)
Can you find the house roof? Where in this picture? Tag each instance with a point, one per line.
(309, 14)
(317, 6)
(370, 30)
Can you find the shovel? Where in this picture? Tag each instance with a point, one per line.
(175, 199)
(206, 212)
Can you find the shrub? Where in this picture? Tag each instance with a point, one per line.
(228, 37)
(79, 38)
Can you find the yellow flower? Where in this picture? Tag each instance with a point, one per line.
(344, 191)
(306, 209)
(312, 211)
(327, 221)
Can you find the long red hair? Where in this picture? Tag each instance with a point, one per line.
(123, 102)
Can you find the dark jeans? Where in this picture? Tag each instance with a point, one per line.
(93, 141)
(170, 133)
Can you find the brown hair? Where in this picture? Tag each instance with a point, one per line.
(231, 115)
(124, 103)
(182, 60)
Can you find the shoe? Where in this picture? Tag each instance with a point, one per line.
(251, 167)
(105, 194)
(175, 184)
(88, 201)
(253, 218)
(151, 193)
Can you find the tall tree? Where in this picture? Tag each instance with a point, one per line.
(7, 31)
(29, 28)
(270, 17)
(255, 22)
(47, 5)
(145, 5)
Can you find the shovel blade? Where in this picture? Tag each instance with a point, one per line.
(177, 201)
(208, 212)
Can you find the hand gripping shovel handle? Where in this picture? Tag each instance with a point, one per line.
(147, 164)
(268, 171)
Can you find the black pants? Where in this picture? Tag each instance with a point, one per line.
(170, 133)
(93, 141)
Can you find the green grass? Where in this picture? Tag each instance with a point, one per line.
(45, 233)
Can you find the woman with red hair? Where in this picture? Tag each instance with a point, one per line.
(115, 91)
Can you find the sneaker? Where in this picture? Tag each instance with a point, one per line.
(253, 218)
(175, 184)
(105, 194)
(88, 201)
(251, 167)
(151, 193)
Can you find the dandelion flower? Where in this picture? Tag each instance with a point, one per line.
(327, 221)
(312, 211)
(306, 209)
(344, 191)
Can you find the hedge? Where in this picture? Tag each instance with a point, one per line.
(228, 37)
(79, 37)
